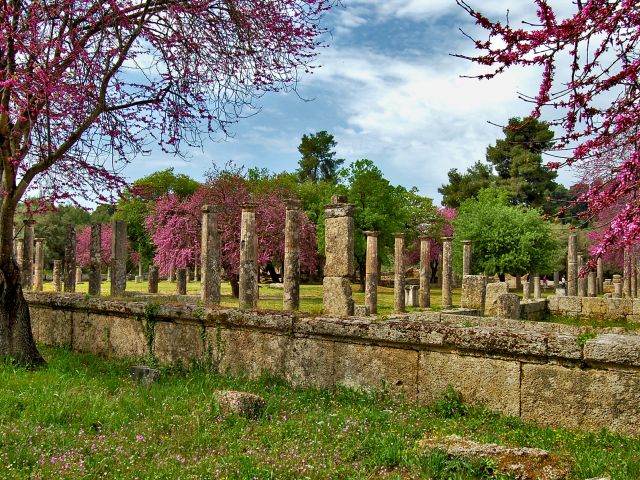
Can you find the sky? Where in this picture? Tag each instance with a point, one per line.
(388, 90)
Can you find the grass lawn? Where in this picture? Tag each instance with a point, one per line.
(81, 417)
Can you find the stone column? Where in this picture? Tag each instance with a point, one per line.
(27, 254)
(95, 259)
(572, 265)
(171, 276)
(592, 284)
(70, 260)
(600, 276)
(20, 253)
(537, 293)
(398, 278)
(39, 265)
(526, 290)
(582, 281)
(78, 274)
(425, 272)
(447, 270)
(339, 264)
(119, 251)
(466, 257)
(154, 277)
(291, 280)
(210, 256)
(57, 275)
(196, 272)
(248, 281)
(556, 279)
(626, 274)
(181, 281)
(371, 276)
(617, 286)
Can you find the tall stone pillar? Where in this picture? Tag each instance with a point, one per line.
(425, 272)
(154, 277)
(291, 280)
(339, 264)
(27, 254)
(572, 265)
(582, 280)
(447, 273)
(466, 257)
(210, 256)
(526, 290)
(600, 276)
(70, 260)
(119, 251)
(592, 284)
(181, 281)
(626, 274)
(371, 275)
(248, 281)
(95, 259)
(20, 253)
(57, 275)
(537, 293)
(39, 265)
(398, 278)
(78, 274)
(556, 279)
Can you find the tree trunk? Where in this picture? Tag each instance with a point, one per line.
(272, 273)
(235, 286)
(16, 339)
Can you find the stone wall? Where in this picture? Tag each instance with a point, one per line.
(543, 372)
(604, 308)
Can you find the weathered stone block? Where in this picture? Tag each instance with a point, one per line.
(177, 342)
(480, 380)
(493, 291)
(619, 308)
(591, 399)
(252, 353)
(310, 362)
(508, 306)
(594, 307)
(339, 247)
(570, 305)
(244, 404)
(612, 348)
(144, 375)
(337, 297)
(474, 289)
(372, 367)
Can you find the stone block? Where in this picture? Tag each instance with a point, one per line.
(244, 404)
(622, 350)
(591, 399)
(563, 346)
(493, 291)
(496, 341)
(594, 307)
(552, 304)
(175, 342)
(371, 367)
(252, 353)
(310, 363)
(144, 375)
(569, 305)
(52, 327)
(508, 306)
(474, 289)
(339, 247)
(337, 296)
(619, 308)
(361, 311)
(480, 380)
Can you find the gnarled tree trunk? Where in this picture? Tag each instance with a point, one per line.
(16, 339)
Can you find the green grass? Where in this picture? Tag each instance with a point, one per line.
(81, 417)
(271, 298)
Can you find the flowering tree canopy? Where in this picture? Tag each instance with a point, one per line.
(175, 225)
(598, 47)
(85, 85)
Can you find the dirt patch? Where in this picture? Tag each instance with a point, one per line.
(523, 463)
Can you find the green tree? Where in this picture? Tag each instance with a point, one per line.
(518, 161)
(318, 160)
(506, 238)
(463, 186)
(137, 201)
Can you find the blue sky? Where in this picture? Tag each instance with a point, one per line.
(389, 91)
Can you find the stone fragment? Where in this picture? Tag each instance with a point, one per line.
(244, 404)
(474, 288)
(493, 291)
(523, 463)
(508, 306)
(144, 375)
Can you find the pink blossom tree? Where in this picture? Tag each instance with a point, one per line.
(86, 85)
(175, 226)
(590, 66)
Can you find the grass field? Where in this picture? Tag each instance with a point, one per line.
(82, 417)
